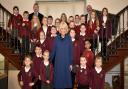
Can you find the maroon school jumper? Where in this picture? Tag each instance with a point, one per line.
(89, 55)
(44, 45)
(27, 77)
(76, 52)
(15, 21)
(43, 75)
(83, 77)
(97, 79)
(51, 41)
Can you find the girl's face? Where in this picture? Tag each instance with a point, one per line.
(44, 21)
(57, 23)
(53, 30)
(82, 28)
(72, 25)
(83, 61)
(105, 12)
(25, 16)
(63, 18)
(42, 35)
(93, 15)
(72, 34)
(16, 11)
(38, 51)
(98, 63)
(87, 45)
(27, 61)
(46, 55)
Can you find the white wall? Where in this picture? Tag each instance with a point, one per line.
(114, 71)
(114, 6)
(22, 4)
(12, 79)
(126, 73)
(57, 8)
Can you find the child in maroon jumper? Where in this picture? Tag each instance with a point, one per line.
(51, 39)
(37, 59)
(83, 75)
(46, 72)
(14, 25)
(88, 54)
(27, 77)
(25, 32)
(98, 75)
(43, 41)
(76, 53)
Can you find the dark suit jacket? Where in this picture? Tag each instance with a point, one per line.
(40, 16)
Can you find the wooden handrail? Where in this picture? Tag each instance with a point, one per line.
(5, 9)
(120, 12)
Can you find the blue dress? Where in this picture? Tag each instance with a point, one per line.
(62, 56)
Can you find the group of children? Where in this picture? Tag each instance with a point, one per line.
(38, 38)
(37, 72)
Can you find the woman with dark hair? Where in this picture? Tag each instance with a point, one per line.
(105, 31)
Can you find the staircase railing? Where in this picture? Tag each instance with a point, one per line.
(117, 40)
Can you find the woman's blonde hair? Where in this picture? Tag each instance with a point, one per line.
(38, 23)
(63, 25)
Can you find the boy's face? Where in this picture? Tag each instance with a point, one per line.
(25, 16)
(87, 44)
(83, 61)
(50, 20)
(46, 55)
(77, 19)
(53, 30)
(98, 63)
(27, 61)
(16, 11)
(38, 50)
(82, 19)
(72, 34)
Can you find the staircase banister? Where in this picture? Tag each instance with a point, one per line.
(1, 6)
(120, 12)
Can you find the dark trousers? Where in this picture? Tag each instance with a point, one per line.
(83, 87)
(25, 45)
(37, 85)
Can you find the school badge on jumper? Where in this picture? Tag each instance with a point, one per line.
(29, 74)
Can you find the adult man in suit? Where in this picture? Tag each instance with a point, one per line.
(36, 12)
(89, 10)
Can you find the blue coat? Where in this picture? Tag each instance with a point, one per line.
(62, 56)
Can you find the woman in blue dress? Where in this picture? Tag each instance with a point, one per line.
(62, 56)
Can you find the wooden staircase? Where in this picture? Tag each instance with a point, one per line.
(119, 54)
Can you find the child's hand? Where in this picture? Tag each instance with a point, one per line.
(23, 24)
(21, 83)
(31, 84)
(48, 82)
(39, 77)
(70, 67)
